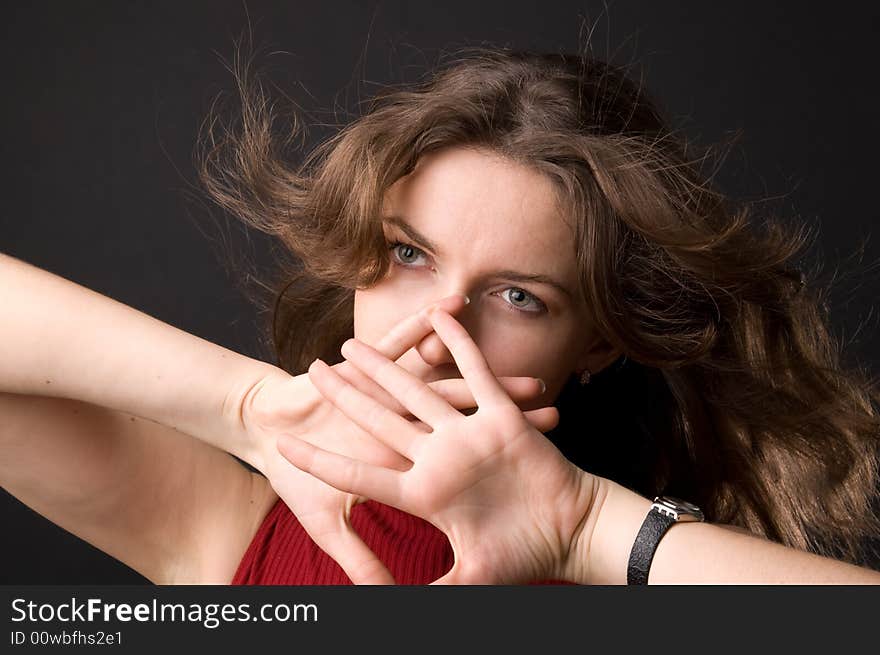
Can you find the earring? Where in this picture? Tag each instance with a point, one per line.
(585, 376)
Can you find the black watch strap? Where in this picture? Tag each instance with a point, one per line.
(653, 528)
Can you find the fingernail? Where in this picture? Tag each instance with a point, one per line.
(543, 386)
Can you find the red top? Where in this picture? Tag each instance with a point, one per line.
(282, 553)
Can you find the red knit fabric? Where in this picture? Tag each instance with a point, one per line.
(282, 553)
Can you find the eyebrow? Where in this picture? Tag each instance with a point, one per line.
(508, 274)
(412, 233)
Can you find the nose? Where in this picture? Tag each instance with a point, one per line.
(433, 350)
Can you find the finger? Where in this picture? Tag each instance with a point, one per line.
(470, 361)
(414, 328)
(402, 337)
(456, 392)
(543, 419)
(453, 390)
(342, 472)
(348, 550)
(388, 427)
(412, 392)
(363, 382)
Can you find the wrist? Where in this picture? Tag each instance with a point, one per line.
(242, 441)
(609, 534)
(577, 566)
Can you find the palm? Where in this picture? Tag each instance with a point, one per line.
(451, 447)
(505, 472)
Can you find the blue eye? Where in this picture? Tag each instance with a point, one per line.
(517, 296)
(405, 255)
(399, 247)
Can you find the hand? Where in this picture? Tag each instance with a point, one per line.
(282, 404)
(511, 505)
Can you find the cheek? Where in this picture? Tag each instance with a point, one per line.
(365, 315)
(380, 308)
(540, 353)
(549, 357)
(550, 354)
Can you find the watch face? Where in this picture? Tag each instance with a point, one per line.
(681, 509)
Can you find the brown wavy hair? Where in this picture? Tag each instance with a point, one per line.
(731, 390)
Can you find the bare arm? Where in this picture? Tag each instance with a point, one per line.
(98, 403)
(60, 339)
(698, 553)
(169, 506)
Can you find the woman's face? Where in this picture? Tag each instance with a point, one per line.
(470, 222)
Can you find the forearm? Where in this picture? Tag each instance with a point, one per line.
(699, 553)
(60, 339)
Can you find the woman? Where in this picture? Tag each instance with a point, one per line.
(684, 352)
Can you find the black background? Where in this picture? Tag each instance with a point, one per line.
(103, 103)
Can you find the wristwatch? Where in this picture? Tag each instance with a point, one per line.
(665, 511)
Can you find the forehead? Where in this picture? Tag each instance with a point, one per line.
(470, 199)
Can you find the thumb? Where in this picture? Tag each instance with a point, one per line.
(543, 419)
